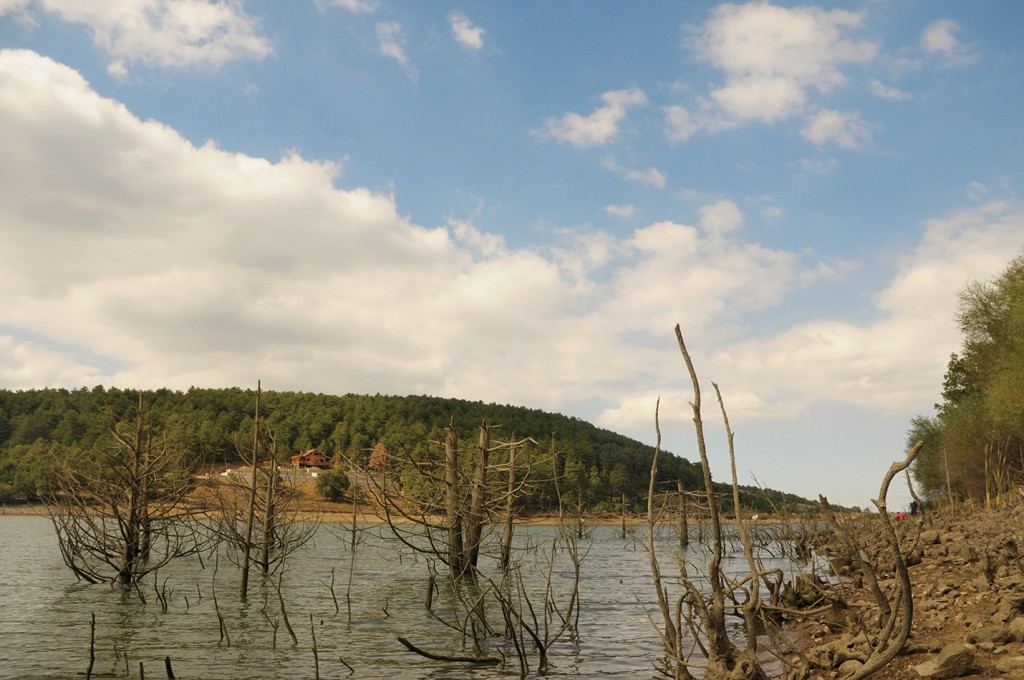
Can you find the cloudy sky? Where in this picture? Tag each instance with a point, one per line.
(516, 203)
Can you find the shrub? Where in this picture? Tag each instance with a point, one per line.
(332, 484)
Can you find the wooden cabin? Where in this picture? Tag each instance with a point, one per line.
(313, 458)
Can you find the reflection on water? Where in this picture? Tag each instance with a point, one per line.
(45, 613)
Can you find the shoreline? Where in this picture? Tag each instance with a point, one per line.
(339, 513)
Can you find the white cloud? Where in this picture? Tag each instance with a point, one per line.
(28, 365)
(180, 265)
(651, 177)
(938, 40)
(465, 32)
(16, 8)
(845, 129)
(720, 218)
(827, 271)
(681, 125)
(163, 33)
(354, 6)
(771, 213)
(391, 44)
(817, 166)
(625, 211)
(891, 365)
(977, 191)
(883, 91)
(134, 258)
(601, 126)
(772, 56)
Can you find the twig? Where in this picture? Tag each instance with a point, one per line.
(316, 658)
(92, 646)
(284, 614)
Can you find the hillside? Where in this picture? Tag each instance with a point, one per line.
(595, 466)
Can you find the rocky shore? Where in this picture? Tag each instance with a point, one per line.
(967, 576)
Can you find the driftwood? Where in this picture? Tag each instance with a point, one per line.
(483, 660)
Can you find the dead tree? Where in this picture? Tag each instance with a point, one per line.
(130, 515)
(455, 537)
(696, 618)
(896, 609)
(246, 543)
(259, 514)
(536, 615)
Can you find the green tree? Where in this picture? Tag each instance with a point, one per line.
(977, 440)
(332, 484)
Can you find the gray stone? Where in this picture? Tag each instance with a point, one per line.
(930, 537)
(994, 634)
(954, 661)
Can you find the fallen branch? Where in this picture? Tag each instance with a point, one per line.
(488, 660)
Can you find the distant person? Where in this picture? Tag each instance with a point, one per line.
(900, 517)
(913, 508)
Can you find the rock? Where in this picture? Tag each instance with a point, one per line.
(1012, 666)
(848, 668)
(930, 537)
(994, 634)
(1016, 628)
(954, 661)
(954, 537)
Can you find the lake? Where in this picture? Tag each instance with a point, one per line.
(45, 613)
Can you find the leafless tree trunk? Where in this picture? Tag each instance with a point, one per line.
(269, 512)
(477, 498)
(889, 640)
(510, 490)
(250, 515)
(706, 613)
(684, 527)
(453, 501)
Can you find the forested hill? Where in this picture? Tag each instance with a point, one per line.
(595, 465)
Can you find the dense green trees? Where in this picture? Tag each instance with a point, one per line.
(974, 446)
(211, 426)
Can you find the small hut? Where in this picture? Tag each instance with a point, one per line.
(313, 458)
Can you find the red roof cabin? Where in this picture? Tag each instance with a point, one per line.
(313, 458)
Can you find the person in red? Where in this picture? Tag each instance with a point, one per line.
(900, 516)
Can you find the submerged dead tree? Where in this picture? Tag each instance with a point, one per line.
(259, 513)
(447, 517)
(126, 514)
(250, 516)
(454, 517)
(697, 619)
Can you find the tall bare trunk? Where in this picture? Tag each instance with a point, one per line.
(719, 645)
(684, 527)
(478, 496)
(267, 536)
(506, 540)
(132, 523)
(456, 557)
(250, 514)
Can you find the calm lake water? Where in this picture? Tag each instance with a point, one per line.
(45, 612)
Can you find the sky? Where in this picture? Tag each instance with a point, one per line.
(516, 203)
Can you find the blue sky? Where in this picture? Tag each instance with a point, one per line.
(516, 202)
